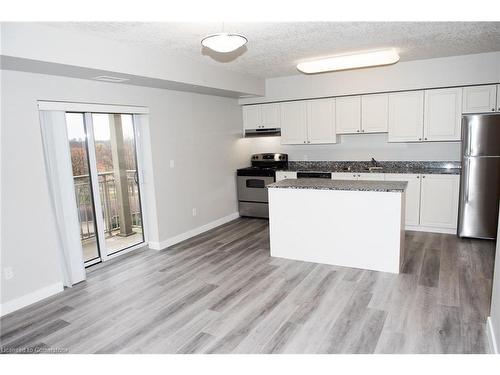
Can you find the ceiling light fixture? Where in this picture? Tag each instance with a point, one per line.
(224, 42)
(343, 62)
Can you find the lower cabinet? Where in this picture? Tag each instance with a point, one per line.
(371, 176)
(431, 200)
(358, 176)
(412, 195)
(439, 201)
(345, 176)
(284, 175)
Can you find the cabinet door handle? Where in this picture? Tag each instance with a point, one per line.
(420, 139)
(423, 176)
(418, 176)
(425, 138)
(493, 109)
(362, 130)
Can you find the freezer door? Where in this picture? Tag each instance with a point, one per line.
(481, 135)
(479, 197)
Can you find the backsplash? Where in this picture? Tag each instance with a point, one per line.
(357, 166)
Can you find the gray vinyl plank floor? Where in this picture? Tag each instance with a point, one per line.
(221, 292)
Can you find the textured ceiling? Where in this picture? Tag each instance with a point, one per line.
(274, 49)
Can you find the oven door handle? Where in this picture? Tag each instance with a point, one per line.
(255, 183)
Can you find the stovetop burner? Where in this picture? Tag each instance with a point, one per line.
(265, 165)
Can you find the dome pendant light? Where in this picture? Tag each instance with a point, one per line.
(224, 42)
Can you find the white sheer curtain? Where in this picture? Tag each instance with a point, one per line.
(62, 191)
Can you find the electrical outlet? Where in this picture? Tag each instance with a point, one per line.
(172, 164)
(194, 211)
(8, 273)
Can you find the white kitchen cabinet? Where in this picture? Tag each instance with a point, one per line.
(371, 176)
(358, 176)
(348, 114)
(443, 114)
(344, 176)
(285, 175)
(406, 116)
(479, 99)
(252, 116)
(321, 121)
(261, 116)
(270, 115)
(293, 123)
(374, 113)
(439, 201)
(308, 122)
(412, 195)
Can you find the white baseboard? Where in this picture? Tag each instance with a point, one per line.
(30, 298)
(419, 228)
(193, 232)
(491, 336)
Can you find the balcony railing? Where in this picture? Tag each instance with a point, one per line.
(109, 202)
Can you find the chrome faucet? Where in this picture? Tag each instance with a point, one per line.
(374, 162)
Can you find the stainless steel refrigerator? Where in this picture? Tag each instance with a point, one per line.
(480, 179)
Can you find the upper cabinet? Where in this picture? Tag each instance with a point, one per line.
(443, 114)
(293, 123)
(321, 121)
(252, 116)
(270, 115)
(432, 115)
(308, 122)
(348, 115)
(261, 116)
(374, 113)
(479, 99)
(406, 116)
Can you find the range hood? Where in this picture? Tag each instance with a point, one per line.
(266, 132)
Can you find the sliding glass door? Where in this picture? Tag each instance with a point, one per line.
(106, 178)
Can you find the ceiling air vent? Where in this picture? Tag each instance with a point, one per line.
(111, 79)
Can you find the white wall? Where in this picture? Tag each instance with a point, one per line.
(359, 147)
(200, 133)
(441, 72)
(494, 319)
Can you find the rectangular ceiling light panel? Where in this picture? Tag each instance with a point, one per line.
(343, 62)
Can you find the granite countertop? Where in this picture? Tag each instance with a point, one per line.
(417, 167)
(347, 185)
(365, 170)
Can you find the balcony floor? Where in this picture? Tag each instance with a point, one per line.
(114, 243)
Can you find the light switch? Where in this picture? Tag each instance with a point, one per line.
(172, 164)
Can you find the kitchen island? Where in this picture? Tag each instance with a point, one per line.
(347, 223)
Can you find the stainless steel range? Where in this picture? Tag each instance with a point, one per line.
(252, 182)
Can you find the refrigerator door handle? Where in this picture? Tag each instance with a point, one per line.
(467, 180)
(468, 135)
